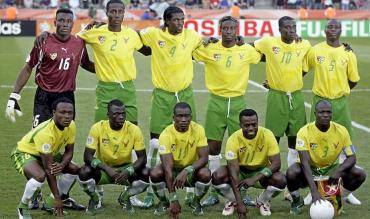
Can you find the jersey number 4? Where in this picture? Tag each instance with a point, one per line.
(64, 64)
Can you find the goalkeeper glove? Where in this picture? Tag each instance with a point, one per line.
(12, 107)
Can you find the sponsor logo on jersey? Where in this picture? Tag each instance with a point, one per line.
(161, 43)
(64, 49)
(298, 53)
(320, 59)
(217, 57)
(126, 39)
(275, 50)
(101, 39)
(336, 145)
(183, 45)
(53, 55)
(260, 147)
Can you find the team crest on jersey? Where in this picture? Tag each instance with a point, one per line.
(336, 145)
(260, 147)
(183, 45)
(298, 53)
(344, 62)
(243, 149)
(313, 146)
(173, 147)
(217, 57)
(105, 141)
(241, 56)
(320, 59)
(161, 43)
(101, 39)
(275, 50)
(126, 39)
(53, 55)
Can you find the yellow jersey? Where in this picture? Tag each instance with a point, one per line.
(47, 138)
(227, 69)
(114, 147)
(182, 145)
(284, 62)
(252, 153)
(324, 148)
(113, 52)
(333, 68)
(172, 66)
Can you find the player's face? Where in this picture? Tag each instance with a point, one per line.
(176, 23)
(228, 30)
(333, 30)
(63, 114)
(64, 23)
(117, 116)
(115, 14)
(249, 125)
(323, 114)
(182, 119)
(288, 30)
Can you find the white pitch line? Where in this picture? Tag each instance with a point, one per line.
(354, 124)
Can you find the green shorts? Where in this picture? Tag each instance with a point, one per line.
(105, 179)
(21, 159)
(222, 113)
(323, 172)
(245, 173)
(107, 91)
(284, 116)
(190, 182)
(163, 103)
(341, 112)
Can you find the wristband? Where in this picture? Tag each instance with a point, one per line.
(130, 170)
(266, 172)
(94, 163)
(189, 169)
(173, 197)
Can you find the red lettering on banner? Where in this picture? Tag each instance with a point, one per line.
(250, 28)
(192, 23)
(266, 29)
(208, 28)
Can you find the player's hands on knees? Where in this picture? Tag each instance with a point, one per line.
(249, 182)
(56, 168)
(265, 84)
(241, 210)
(180, 180)
(41, 39)
(13, 108)
(175, 210)
(121, 177)
(58, 207)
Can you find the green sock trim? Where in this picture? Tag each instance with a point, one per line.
(213, 191)
(153, 160)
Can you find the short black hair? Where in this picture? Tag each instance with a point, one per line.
(115, 102)
(247, 112)
(114, 1)
(181, 105)
(284, 18)
(60, 100)
(227, 18)
(167, 14)
(64, 10)
(323, 101)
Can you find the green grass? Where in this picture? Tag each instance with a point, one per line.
(13, 54)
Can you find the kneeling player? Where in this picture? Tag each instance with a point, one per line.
(319, 145)
(113, 141)
(253, 160)
(38, 156)
(184, 156)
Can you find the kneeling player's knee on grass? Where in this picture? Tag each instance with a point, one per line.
(203, 175)
(293, 172)
(144, 174)
(85, 173)
(279, 180)
(156, 175)
(72, 169)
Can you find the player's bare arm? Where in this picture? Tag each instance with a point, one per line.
(352, 84)
(305, 157)
(347, 164)
(47, 162)
(233, 169)
(141, 161)
(86, 63)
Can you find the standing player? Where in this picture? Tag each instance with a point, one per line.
(56, 68)
(335, 75)
(285, 110)
(172, 74)
(113, 141)
(226, 73)
(184, 154)
(38, 155)
(253, 160)
(319, 144)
